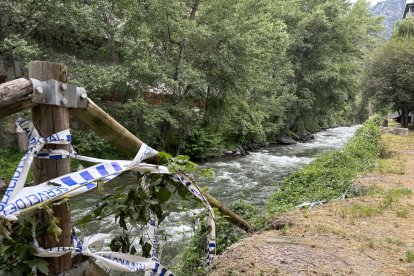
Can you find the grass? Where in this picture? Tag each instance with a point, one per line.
(409, 257)
(9, 160)
(402, 213)
(394, 241)
(393, 123)
(358, 210)
(389, 200)
(393, 162)
(393, 165)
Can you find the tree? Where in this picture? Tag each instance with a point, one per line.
(389, 77)
(330, 39)
(230, 72)
(389, 80)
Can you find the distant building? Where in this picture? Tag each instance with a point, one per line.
(409, 9)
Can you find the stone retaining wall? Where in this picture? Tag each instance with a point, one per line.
(396, 131)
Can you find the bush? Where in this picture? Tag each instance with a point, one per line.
(191, 261)
(331, 174)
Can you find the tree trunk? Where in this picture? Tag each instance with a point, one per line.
(404, 117)
(181, 55)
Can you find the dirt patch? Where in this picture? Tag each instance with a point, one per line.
(368, 235)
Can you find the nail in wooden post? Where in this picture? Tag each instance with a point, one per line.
(48, 120)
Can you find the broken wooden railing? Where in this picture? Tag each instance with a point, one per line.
(50, 114)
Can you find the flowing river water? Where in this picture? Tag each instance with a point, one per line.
(252, 178)
(255, 176)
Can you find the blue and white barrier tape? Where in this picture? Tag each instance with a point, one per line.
(152, 229)
(18, 199)
(211, 238)
(112, 260)
(36, 143)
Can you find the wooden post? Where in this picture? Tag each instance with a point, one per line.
(22, 140)
(48, 120)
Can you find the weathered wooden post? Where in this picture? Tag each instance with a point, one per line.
(50, 119)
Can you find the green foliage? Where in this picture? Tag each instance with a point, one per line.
(87, 143)
(388, 80)
(228, 72)
(18, 48)
(201, 142)
(404, 29)
(9, 160)
(16, 249)
(191, 260)
(330, 39)
(133, 205)
(409, 257)
(331, 174)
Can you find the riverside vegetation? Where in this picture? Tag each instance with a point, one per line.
(199, 77)
(223, 74)
(369, 233)
(328, 177)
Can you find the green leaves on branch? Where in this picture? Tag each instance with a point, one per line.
(17, 251)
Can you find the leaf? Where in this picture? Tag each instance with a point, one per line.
(163, 195)
(85, 219)
(42, 266)
(183, 192)
(164, 156)
(146, 249)
(122, 222)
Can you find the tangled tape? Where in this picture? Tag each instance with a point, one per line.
(19, 199)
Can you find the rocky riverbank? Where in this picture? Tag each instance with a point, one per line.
(291, 139)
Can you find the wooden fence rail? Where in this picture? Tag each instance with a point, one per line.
(15, 96)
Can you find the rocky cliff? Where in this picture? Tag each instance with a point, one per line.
(392, 10)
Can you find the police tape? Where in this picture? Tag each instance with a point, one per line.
(112, 260)
(19, 199)
(36, 143)
(211, 238)
(152, 228)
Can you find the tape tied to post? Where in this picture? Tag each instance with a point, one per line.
(19, 199)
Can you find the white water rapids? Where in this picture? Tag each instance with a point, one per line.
(253, 177)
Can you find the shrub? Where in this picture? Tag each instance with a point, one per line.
(191, 259)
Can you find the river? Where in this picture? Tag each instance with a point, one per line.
(255, 176)
(252, 177)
